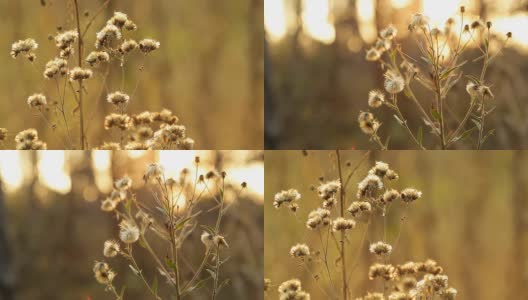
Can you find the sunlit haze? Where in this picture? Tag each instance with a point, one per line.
(318, 21)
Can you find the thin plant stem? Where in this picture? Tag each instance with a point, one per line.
(80, 56)
(342, 214)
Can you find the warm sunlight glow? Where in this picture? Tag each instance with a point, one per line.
(101, 163)
(175, 161)
(52, 171)
(367, 20)
(275, 19)
(517, 24)
(440, 11)
(316, 21)
(252, 174)
(400, 3)
(11, 170)
(135, 154)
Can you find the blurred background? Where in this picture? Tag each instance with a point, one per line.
(208, 70)
(317, 79)
(472, 218)
(52, 228)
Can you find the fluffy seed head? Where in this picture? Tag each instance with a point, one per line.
(118, 98)
(357, 208)
(342, 224)
(219, 241)
(108, 205)
(372, 54)
(23, 46)
(148, 45)
(3, 134)
(128, 46)
(129, 232)
(153, 172)
(485, 93)
(418, 21)
(329, 189)
(292, 285)
(409, 195)
(389, 32)
(55, 68)
(286, 196)
(380, 169)
(390, 196)
(130, 26)
(367, 123)
(368, 186)
(97, 57)
(111, 248)
(300, 250)
(318, 218)
(120, 121)
(394, 83)
(207, 239)
(472, 89)
(65, 39)
(119, 19)
(382, 45)
(79, 74)
(123, 184)
(383, 271)
(380, 248)
(376, 98)
(391, 175)
(103, 273)
(36, 100)
(108, 34)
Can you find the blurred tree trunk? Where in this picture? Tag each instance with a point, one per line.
(255, 66)
(269, 106)
(519, 265)
(7, 276)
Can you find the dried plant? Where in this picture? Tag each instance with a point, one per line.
(171, 220)
(333, 222)
(70, 72)
(438, 69)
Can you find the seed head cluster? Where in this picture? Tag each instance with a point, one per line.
(292, 290)
(28, 140)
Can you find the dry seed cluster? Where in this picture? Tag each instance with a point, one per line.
(147, 130)
(411, 280)
(442, 49)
